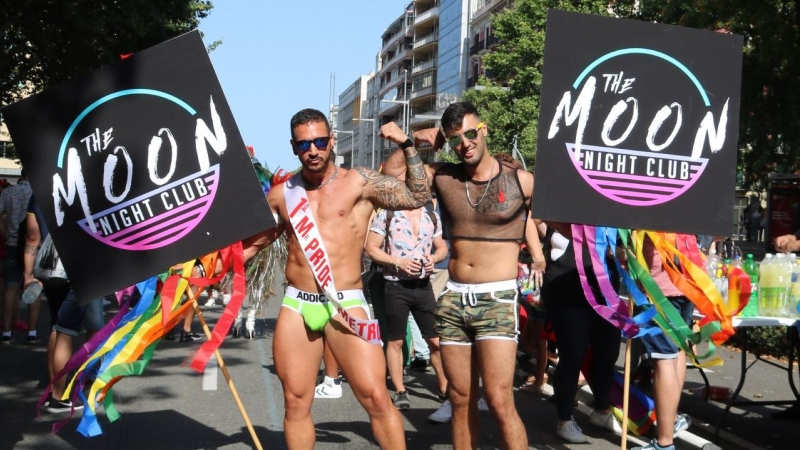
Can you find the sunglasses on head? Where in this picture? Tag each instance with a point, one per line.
(304, 146)
(471, 134)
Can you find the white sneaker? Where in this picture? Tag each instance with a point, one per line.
(225, 299)
(483, 407)
(606, 421)
(327, 389)
(571, 432)
(443, 414)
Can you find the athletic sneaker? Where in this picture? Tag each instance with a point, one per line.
(682, 423)
(6, 340)
(653, 445)
(187, 337)
(329, 388)
(33, 339)
(59, 406)
(401, 400)
(606, 421)
(571, 432)
(483, 407)
(443, 414)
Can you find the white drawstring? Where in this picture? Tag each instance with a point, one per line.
(468, 297)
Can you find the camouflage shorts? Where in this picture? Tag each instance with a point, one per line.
(494, 316)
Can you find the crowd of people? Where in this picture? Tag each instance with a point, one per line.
(445, 241)
(409, 219)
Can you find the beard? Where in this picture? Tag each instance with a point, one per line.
(319, 164)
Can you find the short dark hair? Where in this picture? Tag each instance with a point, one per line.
(454, 115)
(308, 115)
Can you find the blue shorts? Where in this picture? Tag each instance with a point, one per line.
(661, 346)
(72, 317)
(13, 268)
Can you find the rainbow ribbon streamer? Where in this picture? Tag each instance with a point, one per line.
(683, 264)
(127, 343)
(147, 312)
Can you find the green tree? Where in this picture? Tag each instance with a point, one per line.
(47, 42)
(769, 129)
(509, 102)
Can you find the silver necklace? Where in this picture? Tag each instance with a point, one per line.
(489, 183)
(335, 174)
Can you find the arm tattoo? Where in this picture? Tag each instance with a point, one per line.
(390, 193)
(31, 249)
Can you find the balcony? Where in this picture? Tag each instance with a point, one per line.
(396, 81)
(405, 54)
(423, 66)
(475, 48)
(397, 37)
(427, 15)
(492, 41)
(484, 8)
(387, 107)
(430, 38)
(424, 92)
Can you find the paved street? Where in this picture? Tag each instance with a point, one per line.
(168, 407)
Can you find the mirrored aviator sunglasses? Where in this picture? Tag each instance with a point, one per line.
(304, 146)
(471, 134)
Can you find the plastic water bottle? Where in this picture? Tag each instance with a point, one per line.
(711, 262)
(31, 293)
(751, 269)
(734, 269)
(794, 290)
(783, 276)
(721, 283)
(766, 288)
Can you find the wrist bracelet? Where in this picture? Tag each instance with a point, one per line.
(397, 265)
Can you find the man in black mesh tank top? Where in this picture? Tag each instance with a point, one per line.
(484, 207)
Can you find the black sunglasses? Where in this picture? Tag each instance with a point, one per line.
(471, 134)
(304, 146)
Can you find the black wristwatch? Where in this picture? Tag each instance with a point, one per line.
(408, 143)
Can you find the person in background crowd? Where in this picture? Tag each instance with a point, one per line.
(578, 328)
(408, 244)
(669, 361)
(13, 207)
(67, 317)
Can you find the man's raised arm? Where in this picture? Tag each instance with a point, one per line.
(389, 192)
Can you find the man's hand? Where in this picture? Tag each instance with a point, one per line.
(429, 265)
(536, 276)
(409, 266)
(29, 279)
(786, 243)
(392, 132)
(432, 136)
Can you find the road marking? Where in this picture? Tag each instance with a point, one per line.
(276, 424)
(210, 375)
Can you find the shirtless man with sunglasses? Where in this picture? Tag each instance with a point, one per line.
(484, 204)
(336, 203)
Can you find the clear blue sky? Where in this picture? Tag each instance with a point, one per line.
(276, 58)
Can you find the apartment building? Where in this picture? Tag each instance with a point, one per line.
(394, 75)
(482, 40)
(351, 132)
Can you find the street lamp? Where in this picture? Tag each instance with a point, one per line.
(372, 134)
(351, 133)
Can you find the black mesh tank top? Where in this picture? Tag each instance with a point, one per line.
(495, 210)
